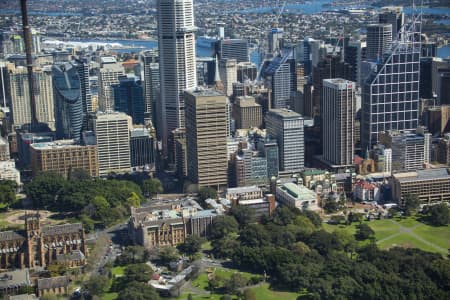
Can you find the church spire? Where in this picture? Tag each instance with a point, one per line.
(218, 85)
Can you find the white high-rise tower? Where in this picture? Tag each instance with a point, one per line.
(176, 35)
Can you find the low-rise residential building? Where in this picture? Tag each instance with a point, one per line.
(297, 195)
(366, 191)
(432, 185)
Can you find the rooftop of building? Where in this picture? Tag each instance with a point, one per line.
(244, 189)
(23, 297)
(139, 132)
(285, 113)
(112, 115)
(53, 282)
(246, 101)
(253, 201)
(200, 92)
(12, 279)
(62, 229)
(312, 172)
(171, 211)
(339, 83)
(108, 60)
(429, 174)
(297, 191)
(56, 145)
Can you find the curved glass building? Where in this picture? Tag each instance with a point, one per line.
(68, 101)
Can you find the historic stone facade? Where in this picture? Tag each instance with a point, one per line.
(168, 224)
(36, 246)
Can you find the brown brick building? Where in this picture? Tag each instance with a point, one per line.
(61, 156)
(247, 113)
(169, 224)
(36, 246)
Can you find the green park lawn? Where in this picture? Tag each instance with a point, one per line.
(388, 233)
(110, 296)
(436, 235)
(118, 271)
(405, 240)
(263, 292)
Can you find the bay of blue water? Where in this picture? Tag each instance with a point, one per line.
(40, 13)
(444, 52)
(445, 22)
(313, 7)
(203, 46)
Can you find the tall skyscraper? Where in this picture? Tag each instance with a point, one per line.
(379, 40)
(110, 71)
(82, 66)
(444, 83)
(247, 113)
(390, 95)
(354, 54)
(141, 148)
(338, 114)
(113, 142)
(68, 101)
(20, 103)
(275, 37)
(392, 15)
(150, 76)
(279, 75)
(128, 98)
(228, 74)
(206, 139)
(246, 71)
(233, 49)
(286, 127)
(176, 36)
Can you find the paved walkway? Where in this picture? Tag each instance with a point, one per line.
(410, 231)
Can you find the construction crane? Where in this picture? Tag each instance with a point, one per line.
(278, 11)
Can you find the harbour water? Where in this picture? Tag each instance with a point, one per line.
(444, 51)
(204, 46)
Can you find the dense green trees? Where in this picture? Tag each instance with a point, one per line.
(411, 204)
(133, 285)
(151, 187)
(191, 245)
(437, 215)
(97, 285)
(7, 193)
(206, 193)
(298, 255)
(93, 201)
(132, 255)
(364, 232)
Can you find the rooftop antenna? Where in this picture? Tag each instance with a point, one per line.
(28, 45)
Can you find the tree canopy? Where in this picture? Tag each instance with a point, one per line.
(152, 186)
(411, 203)
(93, 201)
(330, 265)
(7, 193)
(438, 215)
